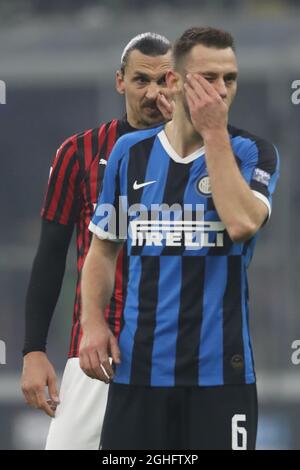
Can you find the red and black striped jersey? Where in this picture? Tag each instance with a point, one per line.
(74, 184)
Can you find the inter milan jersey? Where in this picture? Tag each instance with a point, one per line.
(74, 184)
(186, 304)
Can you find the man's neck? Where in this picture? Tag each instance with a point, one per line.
(182, 135)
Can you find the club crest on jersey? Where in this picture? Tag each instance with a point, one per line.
(203, 186)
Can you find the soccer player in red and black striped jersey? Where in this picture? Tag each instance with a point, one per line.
(74, 184)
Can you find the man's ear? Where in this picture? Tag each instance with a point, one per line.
(173, 81)
(120, 85)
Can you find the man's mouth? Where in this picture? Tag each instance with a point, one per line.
(151, 109)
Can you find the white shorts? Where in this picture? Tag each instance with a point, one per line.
(79, 417)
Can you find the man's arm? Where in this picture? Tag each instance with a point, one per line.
(98, 275)
(98, 278)
(239, 209)
(42, 295)
(59, 212)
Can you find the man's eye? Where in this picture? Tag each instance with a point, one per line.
(162, 81)
(230, 79)
(209, 79)
(141, 80)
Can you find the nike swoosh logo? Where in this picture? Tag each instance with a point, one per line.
(141, 185)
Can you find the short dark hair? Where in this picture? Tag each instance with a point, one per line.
(152, 44)
(209, 37)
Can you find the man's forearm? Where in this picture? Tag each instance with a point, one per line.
(235, 203)
(98, 277)
(240, 211)
(98, 342)
(45, 284)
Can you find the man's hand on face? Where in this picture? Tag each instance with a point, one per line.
(38, 374)
(208, 110)
(166, 104)
(97, 345)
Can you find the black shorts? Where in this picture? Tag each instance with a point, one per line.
(180, 418)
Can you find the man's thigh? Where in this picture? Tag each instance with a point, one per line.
(152, 418)
(223, 417)
(140, 417)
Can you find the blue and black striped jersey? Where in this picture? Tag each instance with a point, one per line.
(186, 306)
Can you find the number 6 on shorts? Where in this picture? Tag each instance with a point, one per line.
(238, 433)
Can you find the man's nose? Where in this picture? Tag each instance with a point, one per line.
(221, 89)
(152, 91)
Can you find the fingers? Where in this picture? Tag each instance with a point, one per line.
(116, 358)
(191, 96)
(43, 404)
(29, 396)
(207, 87)
(53, 405)
(107, 369)
(115, 350)
(29, 392)
(196, 88)
(38, 373)
(200, 93)
(53, 391)
(203, 89)
(99, 371)
(94, 354)
(35, 396)
(165, 106)
(201, 84)
(91, 365)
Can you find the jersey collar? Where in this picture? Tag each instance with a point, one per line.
(174, 155)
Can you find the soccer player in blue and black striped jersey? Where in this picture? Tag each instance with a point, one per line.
(189, 197)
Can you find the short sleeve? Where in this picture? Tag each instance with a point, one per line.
(62, 196)
(261, 169)
(107, 219)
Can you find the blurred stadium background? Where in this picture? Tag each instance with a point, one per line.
(58, 59)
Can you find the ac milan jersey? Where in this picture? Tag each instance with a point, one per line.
(186, 308)
(74, 184)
